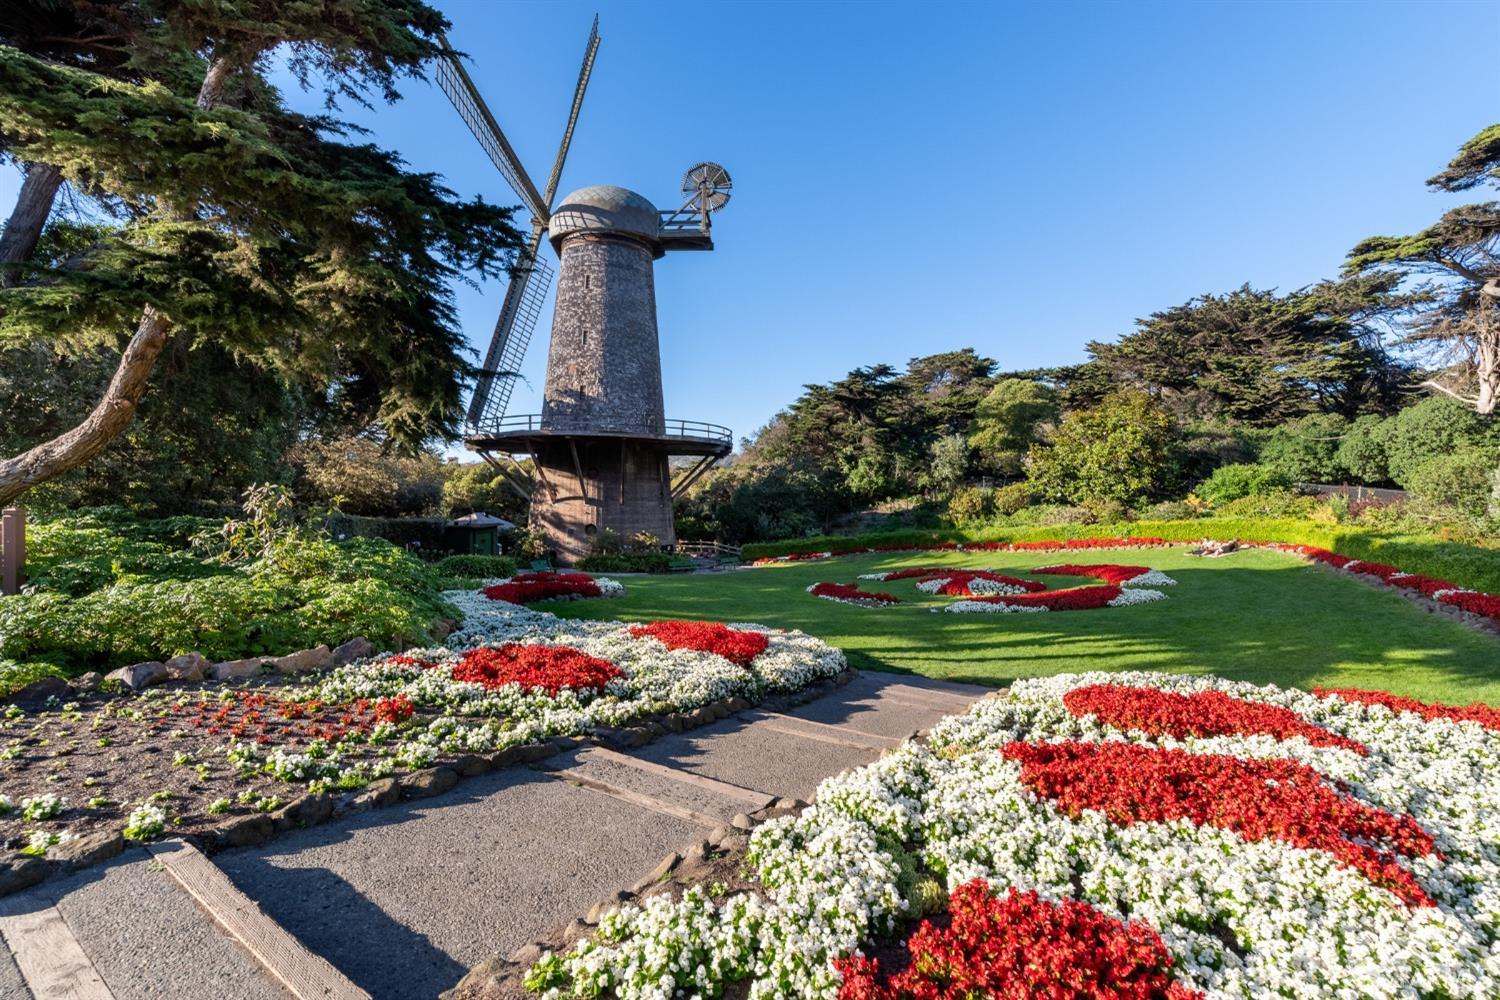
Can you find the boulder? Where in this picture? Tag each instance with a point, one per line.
(230, 669)
(87, 682)
(192, 666)
(246, 831)
(42, 689)
(430, 781)
(303, 660)
(355, 649)
(89, 849)
(21, 873)
(139, 676)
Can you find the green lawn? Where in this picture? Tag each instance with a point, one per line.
(1255, 615)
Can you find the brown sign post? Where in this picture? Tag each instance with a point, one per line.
(12, 550)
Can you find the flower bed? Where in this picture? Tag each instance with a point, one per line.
(508, 678)
(1475, 602)
(1091, 833)
(1128, 542)
(1124, 586)
(848, 593)
(551, 585)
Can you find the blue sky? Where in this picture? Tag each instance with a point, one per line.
(911, 178)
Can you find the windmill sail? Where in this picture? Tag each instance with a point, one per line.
(532, 275)
(518, 318)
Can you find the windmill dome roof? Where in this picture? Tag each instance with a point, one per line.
(604, 208)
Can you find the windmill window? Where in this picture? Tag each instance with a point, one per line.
(590, 530)
(588, 281)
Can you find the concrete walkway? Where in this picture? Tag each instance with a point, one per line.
(403, 901)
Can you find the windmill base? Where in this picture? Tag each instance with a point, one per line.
(584, 487)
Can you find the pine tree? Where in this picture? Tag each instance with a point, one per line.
(245, 225)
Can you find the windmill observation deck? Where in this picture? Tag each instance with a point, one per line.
(516, 433)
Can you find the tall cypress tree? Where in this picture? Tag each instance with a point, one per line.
(245, 225)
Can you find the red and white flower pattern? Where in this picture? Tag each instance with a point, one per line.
(1123, 835)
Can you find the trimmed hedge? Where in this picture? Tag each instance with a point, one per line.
(476, 567)
(627, 562)
(1467, 565)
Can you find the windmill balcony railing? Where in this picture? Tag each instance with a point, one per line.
(532, 423)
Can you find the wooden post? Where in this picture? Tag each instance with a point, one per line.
(12, 550)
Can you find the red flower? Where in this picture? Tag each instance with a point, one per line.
(1021, 946)
(735, 645)
(397, 709)
(1206, 713)
(849, 592)
(1257, 799)
(1474, 602)
(1478, 712)
(524, 588)
(1108, 572)
(1071, 599)
(535, 668)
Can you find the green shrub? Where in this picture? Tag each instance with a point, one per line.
(422, 534)
(476, 567)
(1362, 452)
(1435, 426)
(1169, 510)
(1306, 449)
(1231, 482)
(1462, 483)
(1277, 503)
(1116, 451)
(970, 505)
(626, 562)
(1048, 514)
(1011, 498)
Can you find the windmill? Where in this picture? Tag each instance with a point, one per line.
(601, 450)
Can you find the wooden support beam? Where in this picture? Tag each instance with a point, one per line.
(583, 489)
(52, 962)
(693, 475)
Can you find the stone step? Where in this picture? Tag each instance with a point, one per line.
(125, 930)
(305, 975)
(658, 786)
(404, 900)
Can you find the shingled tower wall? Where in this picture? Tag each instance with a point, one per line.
(602, 464)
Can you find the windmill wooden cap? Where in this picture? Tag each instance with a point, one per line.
(604, 208)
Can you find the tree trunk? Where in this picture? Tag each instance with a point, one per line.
(24, 227)
(113, 413)
(109, 417)
(1487, 356)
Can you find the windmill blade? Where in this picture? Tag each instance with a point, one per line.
(589, 51)
(455, 82)
(519, 314)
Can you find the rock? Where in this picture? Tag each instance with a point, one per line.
(188, 667)
(505, 758)
(428, 782)
(482, 980)
(656, 729)
(697, 852)
(719, 833)
(661, 871)
(89, 849)
(700, 717)
(532, 752)
(139, 676)
(444, 629)
(246, 831)
(526, 956)
(789, 803)
(472, 765)
(719, 710)
(737, 704)
(308, 810)
(734, 842)
(41, 690)
(303, 660)
(577, 930)
(231, 669)
(380, 792)
(561, 744)
(742, 822)
(87, 682)
(673, 722)
(355, 649)
(21, 873)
